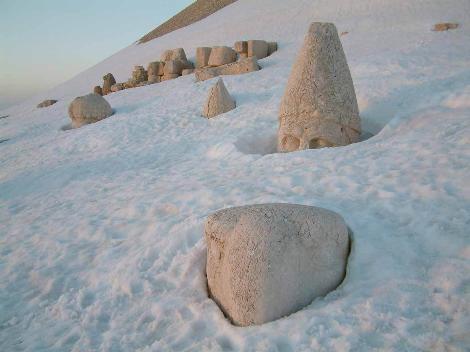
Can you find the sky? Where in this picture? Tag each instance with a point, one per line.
(44, 43)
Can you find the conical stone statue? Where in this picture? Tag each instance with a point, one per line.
(319, 107)
(219, 101)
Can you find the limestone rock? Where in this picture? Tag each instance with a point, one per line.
(219, 101)
(241, 47)
(166, 56)
(139, 75)
(440, 27)
(155, 69)
(173, 67)
(222, 55)
(174, 54)
(267, 261)
(187, 71)
(117, 87)
(89, 109)
(108, 81)
(155, 79)
(46, 103)
(98, 90)
(168, 76)
(258, 48)
(236, 68)
(319, 107)
(272, 47)
(202, 56)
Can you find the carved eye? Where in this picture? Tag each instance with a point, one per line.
(290, 143)
(316, 143)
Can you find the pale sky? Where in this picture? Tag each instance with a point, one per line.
(46, 42)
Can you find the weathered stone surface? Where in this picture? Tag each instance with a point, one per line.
(202, 56)
(144, 83)
(219, 100)
(272, 47)
(174, 54)
(108, 81)
(117, 87)
(173, 67)
(46, 103)
(166, 56)
(319, 106)
(243, 65)
(267, 261)
(139, 75)
(98, 90)
(89, 109)
(241, 47)
(187, 71)
(222, 55)
(440, 27)
(168, 76)
(155, 68)
(258, 48)
(155, 79)
(243, 55)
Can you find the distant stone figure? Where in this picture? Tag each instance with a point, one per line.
(174, 54)
(46, 103)
(154, 71)
(258, 48)
(222, 55)
(219, 101)
(267, 261)
(440, 27)
(89, 109)
(108, 81)
(202, 56)
(236, 68)
(98, 90)
(319, 107)
(139, 75)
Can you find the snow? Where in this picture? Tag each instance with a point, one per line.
(101, 228)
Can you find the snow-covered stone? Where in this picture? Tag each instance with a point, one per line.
(46, 103)
(239, 67)
(219, 101)
(441, 27)
(108, 81)
(258, 48)
(202, 56)
(319, 107)
(89, 109)
(222, 55)
(267, 261)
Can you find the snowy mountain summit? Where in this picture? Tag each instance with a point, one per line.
(101, 227)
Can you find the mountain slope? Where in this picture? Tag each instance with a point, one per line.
(101, 228)
(191, 14)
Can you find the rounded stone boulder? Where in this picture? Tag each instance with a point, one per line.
(89, 109)
(267, 261)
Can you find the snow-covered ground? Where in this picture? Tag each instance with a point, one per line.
(101, 228)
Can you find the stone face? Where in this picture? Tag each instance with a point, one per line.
(219, 101)
(440, 27)
(187, 71)
(202, 56)
(222, 55)
(258, 48)
(174, 54)
(89, 109)
(267, 261)
(272, 47)
(319, 107)
(241, 47)
(236, 68)
(108, 81)
(117, 87)
(173, 67)
(139, 75)
(98, 90)
(46, 103)
(155, 69)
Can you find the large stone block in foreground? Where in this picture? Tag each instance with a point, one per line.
(319, 107)
(89, 109)
(267, 261)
